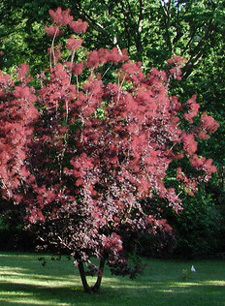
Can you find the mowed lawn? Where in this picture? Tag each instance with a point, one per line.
(24, 282)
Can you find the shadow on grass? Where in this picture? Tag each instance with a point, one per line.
(25, 294)
(158, 293)
(24, 282)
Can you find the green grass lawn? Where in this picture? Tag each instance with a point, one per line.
(24, 282)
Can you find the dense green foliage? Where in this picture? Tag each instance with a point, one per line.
(199, 228)
(12, 232)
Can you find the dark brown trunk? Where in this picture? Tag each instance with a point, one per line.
(86, 287)
(97, 285)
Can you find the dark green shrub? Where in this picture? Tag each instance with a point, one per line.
(13, 236)
(198, 227)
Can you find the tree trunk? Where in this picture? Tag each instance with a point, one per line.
(83, 277)
(97, 285)
(86, 287)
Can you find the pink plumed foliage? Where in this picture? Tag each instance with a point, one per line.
(193, 109)
(17, 113)
(208, 123)
(79, 26)
(60, 17)
(82, 153)
(73, 43)
(53, 31)
(175, 65)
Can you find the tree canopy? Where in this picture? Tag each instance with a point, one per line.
(91, 137)
(151, 31)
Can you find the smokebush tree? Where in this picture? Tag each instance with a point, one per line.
(80, 153)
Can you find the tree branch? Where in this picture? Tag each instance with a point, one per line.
(197, 52)
(139, 27)
(86, 287)
(165, 7)
(97, 285)
(96, 24)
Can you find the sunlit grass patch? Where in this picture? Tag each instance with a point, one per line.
(24, 281)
